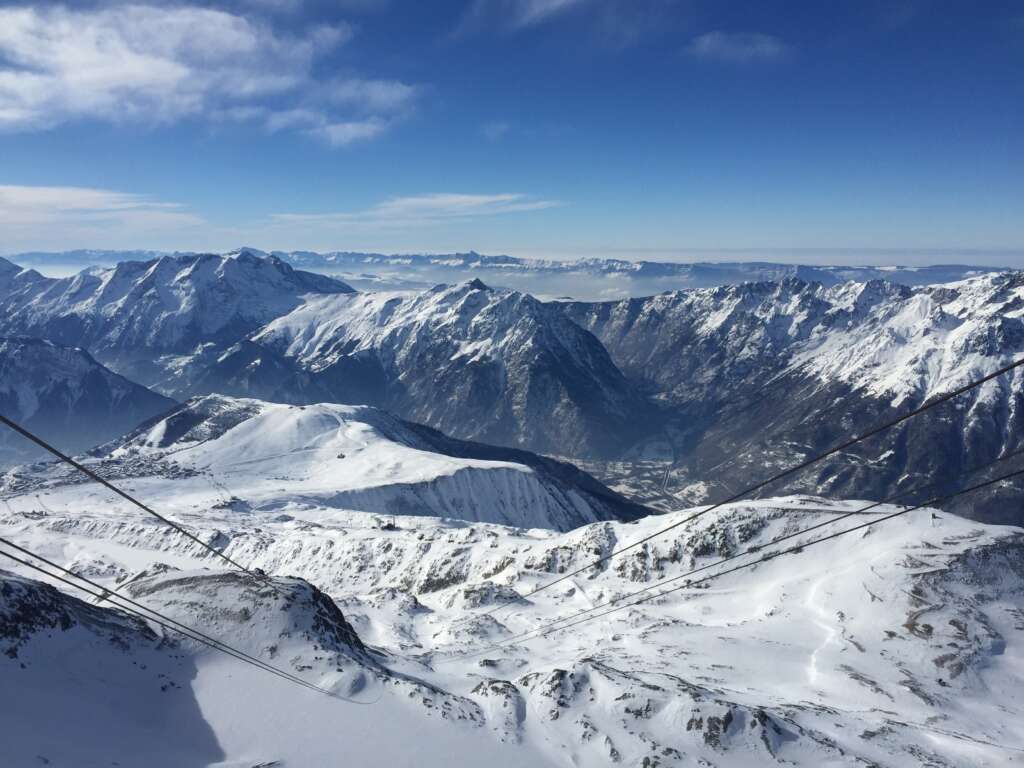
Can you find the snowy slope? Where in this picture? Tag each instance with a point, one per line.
(65, 396)
(475, 362)
(90, 683)
(96, 688)
(130, 314)
(898, 646)
(933, 341)
(319, 457)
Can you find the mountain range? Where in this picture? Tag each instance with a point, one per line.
(420, 481)
(670, 396)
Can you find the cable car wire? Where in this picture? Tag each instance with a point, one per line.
(135, 608)
(125, 495)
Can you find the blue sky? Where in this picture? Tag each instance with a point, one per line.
(851, 130)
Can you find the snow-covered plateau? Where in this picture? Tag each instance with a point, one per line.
(898, 645)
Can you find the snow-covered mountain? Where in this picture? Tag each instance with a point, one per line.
(15, 278)
(140, 316)
(758, 376)
(65, 396)
(896, 646)
(690, 389)
(292, 459)
(479, 363)
(491, 365)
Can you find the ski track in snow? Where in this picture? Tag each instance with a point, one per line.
(823, 624)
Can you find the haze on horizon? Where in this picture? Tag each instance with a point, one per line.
(663, 130)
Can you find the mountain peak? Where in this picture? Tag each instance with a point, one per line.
(245, 253)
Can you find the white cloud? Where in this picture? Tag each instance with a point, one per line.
(156, 64)
(737, 47)
(59, 218)
(294, 118)
(30, 216)
(418, 210)
(142, 62)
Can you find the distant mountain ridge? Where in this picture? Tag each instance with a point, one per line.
(688, 274)
(645, 274)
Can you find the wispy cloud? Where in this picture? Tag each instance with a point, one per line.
(495, 130)
(529, 12)
(62, 217)
(419, 210)
(30, 215)
(160, 64)
(737, 47)
(380, 96)
(314, 122)
(512, 14)
(344, 133)
(602, 24)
